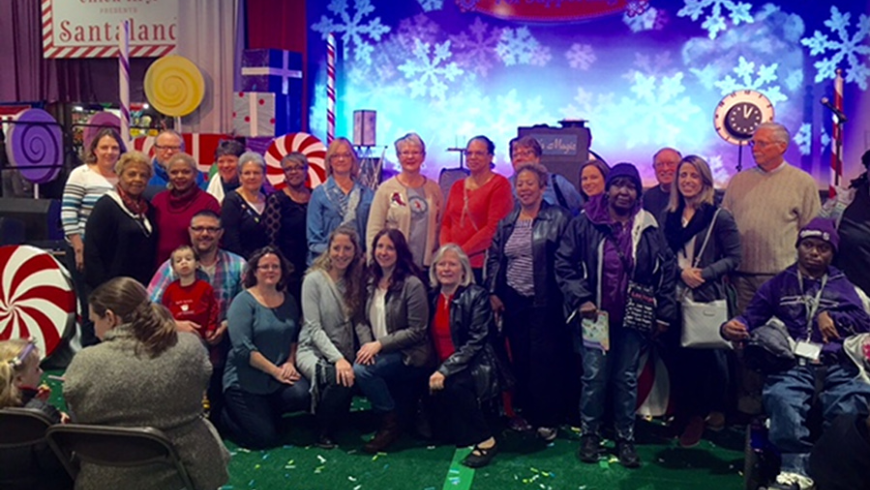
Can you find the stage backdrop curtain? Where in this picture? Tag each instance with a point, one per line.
(211, 34)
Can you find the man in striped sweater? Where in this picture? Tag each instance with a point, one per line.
(770, 204)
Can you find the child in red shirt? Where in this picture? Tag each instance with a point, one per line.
(189, 298)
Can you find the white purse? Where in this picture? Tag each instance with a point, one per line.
(701, 321)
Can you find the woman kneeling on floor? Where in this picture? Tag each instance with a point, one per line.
(469, 373)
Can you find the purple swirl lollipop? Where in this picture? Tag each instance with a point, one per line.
(35, 141)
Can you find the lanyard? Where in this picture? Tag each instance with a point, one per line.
(814, 307)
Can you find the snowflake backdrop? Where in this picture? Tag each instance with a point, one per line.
(648, 77)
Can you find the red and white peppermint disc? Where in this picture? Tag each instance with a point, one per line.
(145, 144)
(37, 300)
(304, 143)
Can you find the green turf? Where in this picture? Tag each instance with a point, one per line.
(523, 462)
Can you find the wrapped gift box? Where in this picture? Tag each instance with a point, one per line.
(262, 114)
(279, 72)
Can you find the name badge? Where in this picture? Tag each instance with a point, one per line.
(808, 350)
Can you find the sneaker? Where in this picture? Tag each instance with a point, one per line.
(791, 481)
(627, 454)
(590, 447)
(715, 421)
(691, 435)
(325, 441)
(548, 434)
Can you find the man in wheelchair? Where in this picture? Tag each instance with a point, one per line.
(819, 308)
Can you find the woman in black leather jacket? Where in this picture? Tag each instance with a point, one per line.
(700, 375)
(523, 291)
(469, 372)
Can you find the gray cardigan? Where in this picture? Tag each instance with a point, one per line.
(407, 318)
(327, 333)
(114, 384)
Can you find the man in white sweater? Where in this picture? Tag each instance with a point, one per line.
(770, 204)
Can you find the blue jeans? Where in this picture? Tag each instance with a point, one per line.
(254, 421)
(372, 379)
(787, 399)
(616, 367)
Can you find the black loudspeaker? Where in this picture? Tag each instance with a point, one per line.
(564, 149)
(41, 217)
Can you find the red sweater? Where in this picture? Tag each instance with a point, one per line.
(472, 227)
(172, 219)
(195, 303)
(441, 329)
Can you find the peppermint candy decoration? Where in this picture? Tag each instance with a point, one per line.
(304, 143)
(145, 144)
(37, 300)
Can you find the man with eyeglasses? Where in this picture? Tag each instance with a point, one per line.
(221, 269)
(559, 190)
(770, 204)
(166, 144)
(665, 162)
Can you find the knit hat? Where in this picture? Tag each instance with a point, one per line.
(624, 170)
(822, 229)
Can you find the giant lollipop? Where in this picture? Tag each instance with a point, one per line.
(36, 297)
(97, 122)
(304, 143)
(35, 141)
(174, 85)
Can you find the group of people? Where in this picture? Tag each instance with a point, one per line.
(440, 306)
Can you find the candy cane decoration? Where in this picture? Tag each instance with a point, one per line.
(124, 78)
(837, 139)
(330, 88)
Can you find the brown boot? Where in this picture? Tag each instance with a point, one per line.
(386, 435)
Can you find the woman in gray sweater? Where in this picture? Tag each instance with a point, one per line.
(144, 373)
(331, 301)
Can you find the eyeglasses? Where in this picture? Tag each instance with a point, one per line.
(269, 267)
(341, 155)
(207, 229)
(410, 153)
(665, 164)
(294, 169)
(168, 147)
(476, 153)
(523, 153)
(761, 144)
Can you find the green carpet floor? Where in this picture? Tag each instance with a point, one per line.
(523, 462)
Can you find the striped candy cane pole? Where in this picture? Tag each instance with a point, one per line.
(330, 88)
(124, 77)
(837, 139)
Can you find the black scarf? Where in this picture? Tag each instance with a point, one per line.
(676, 234)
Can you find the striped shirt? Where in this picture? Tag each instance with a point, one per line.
(83, 188)
(518, 250)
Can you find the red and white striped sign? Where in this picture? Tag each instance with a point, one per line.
(90, 30)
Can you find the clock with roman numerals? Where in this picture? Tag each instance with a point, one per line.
(740, 113)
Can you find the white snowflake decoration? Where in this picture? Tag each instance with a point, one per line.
(715, 21)
(417, 27)
(431, 71)
(541, 56)
(476, 52)
(588, 105)
(824, 139)
(804, 138)
(516, 46)
(431, 5)
(581, 56)
(353, 30)
(843, 48)
(645, 21)
(745, 72)
(658, 65)
(658, 113)
(717, 167)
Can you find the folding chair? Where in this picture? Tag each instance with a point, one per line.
(114, 446)
(23, 438)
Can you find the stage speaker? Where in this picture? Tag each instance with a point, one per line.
(565, 149)
(41, 217)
